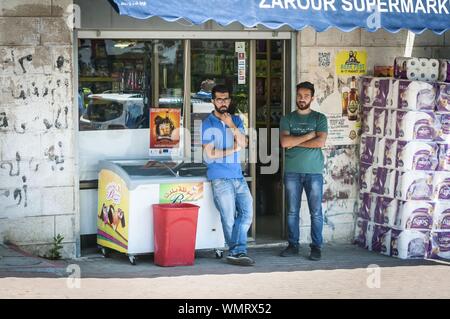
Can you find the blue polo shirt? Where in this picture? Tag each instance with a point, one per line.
(216, 132)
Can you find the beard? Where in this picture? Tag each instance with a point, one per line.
(303, 106)
(222, 109)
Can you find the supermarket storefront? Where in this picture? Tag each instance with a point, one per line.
(160, 54)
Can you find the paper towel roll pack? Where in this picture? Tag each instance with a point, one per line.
(365, 96)
(387, 152)
(429, 69)
(379, 121)
(410, 243)
(380, 91)
(416, 155)
(443, 97)
(383, 183)
(415, 125)
(441, 186)
(413, 68)
(439, 245)
(414, 215)
(444, 70)
(368, 149)
(365, 177)
(385, 211)
(414, 185)
(414, 95)
(443, 157)
(373, 203)
(405, 163)
(442, 127)
(364, 205)
(368, 120)
(379, 177)
(441, 216)
(361, 233)
(381, 239)
(423, 69)
(400, 70)
(391, 124)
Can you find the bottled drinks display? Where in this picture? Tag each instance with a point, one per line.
(353, 101)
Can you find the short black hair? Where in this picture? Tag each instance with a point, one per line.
(306, 85)
(221, 89)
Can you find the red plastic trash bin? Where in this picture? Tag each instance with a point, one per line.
(174, 229)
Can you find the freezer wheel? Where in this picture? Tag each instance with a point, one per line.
(105, 252)
(132, 260)
(219, 254)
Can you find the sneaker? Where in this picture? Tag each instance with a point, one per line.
(315, 254)
(289, 251)
(240, 259)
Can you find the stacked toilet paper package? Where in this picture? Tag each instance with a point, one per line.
(422, 69)
(405, 168)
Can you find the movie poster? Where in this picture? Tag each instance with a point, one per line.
(165, 126)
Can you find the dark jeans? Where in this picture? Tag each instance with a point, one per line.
(313, 185)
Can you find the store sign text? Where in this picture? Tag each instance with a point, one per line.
(393, 6)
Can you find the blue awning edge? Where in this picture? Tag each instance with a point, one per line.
(345, 15)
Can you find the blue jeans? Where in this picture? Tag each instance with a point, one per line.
(235, 204)
(313, 185)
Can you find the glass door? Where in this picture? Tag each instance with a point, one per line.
(269, 88)
(218, 62)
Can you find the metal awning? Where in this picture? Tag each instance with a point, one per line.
(346, 15)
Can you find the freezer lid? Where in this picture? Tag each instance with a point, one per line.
(140, 172)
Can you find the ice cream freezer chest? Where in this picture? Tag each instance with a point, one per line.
(126, 193)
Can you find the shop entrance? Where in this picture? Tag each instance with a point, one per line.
(270, 104)
(120, 80)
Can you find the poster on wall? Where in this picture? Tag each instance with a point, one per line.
(351, 62)
(165, 130)
(112, 212)
(337, 93)
(180, 193)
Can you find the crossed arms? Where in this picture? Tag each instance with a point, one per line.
(240, 142)
(310, 140)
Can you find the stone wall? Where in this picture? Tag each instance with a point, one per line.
(316, 52)
(38, 193)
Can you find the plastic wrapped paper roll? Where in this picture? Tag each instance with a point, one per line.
(368, 149)
(429, 69)
(443, 97)
(443, 127)
(385, 210)
(413, 69)
(414, 185)
(441, 186)
(440, 245)
(410, 243)
(400, 67)
(417, 125)
(444, 157)
(367, 120)
(414, 215)
(441, 217)
(415, 155)
(416, 95)
(364, 205)
(444, 70)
